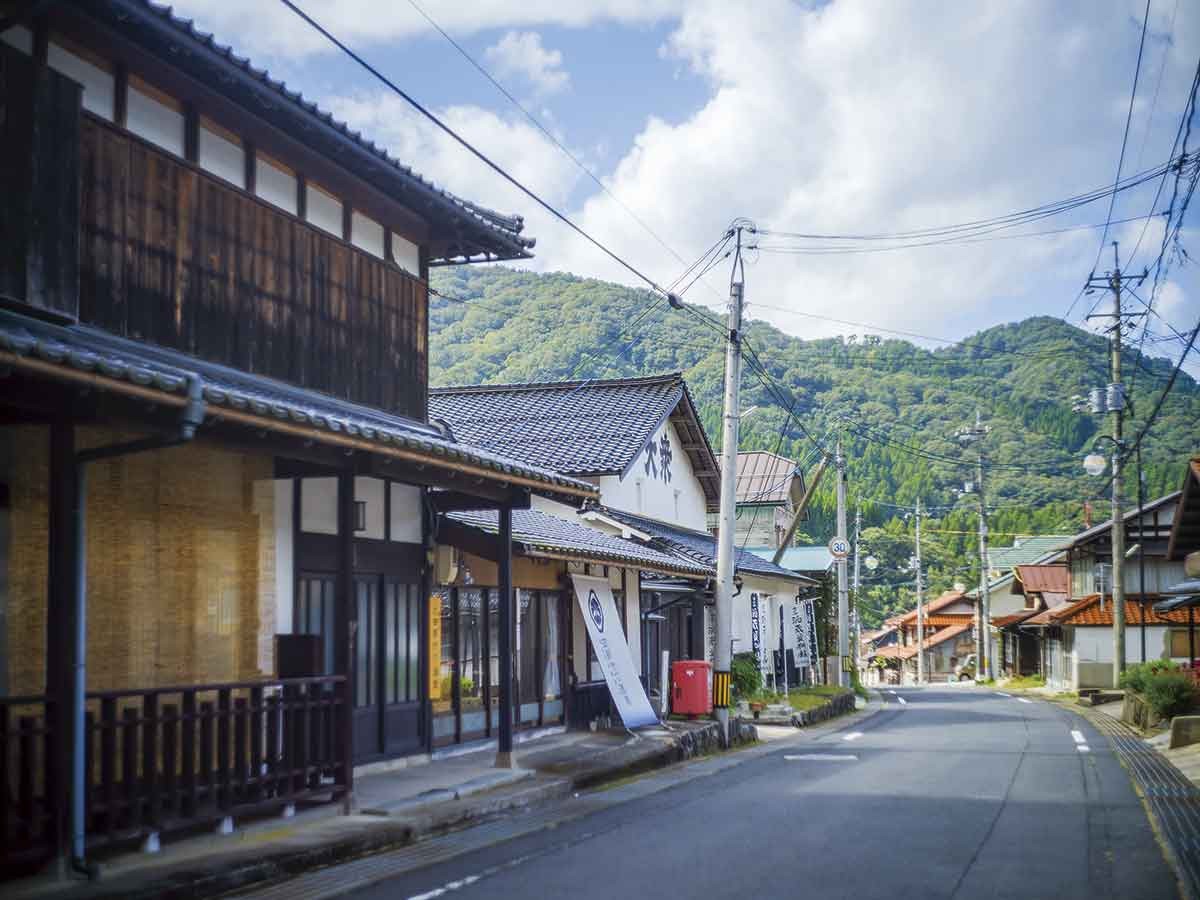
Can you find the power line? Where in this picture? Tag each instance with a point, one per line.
(478, 154)
(549, 135)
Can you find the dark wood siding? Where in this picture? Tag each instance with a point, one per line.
(39, 184)
(176, 257)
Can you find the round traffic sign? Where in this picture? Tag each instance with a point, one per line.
(839, 547)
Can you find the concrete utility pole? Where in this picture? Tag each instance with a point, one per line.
(983, 656)
(843, 598)
(857, 565)
(920, 605)
(1114, 402)
(1118, 521)
(725, 536)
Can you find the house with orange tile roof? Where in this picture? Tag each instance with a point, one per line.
(948, 638)
(1074, 634)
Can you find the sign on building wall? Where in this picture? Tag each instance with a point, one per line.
(435, 645)
(612, 652)
(710, 634)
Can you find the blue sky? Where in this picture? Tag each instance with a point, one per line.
(842, 117)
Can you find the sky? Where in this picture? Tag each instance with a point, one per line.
(836, 118)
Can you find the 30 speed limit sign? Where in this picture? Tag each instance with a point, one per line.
(839, 547)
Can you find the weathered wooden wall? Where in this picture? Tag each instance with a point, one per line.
(39, 184)
(176, 257)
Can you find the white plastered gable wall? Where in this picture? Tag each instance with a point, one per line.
(661, 484)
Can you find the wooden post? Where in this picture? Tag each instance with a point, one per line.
(60, 630)
(346, 626)
(504, 555)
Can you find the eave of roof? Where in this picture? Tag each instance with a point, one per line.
(1106, 526)
(82, 354)
(539, 533)
(155, 27)
(949, 598)
(701, 546)
(940, 637)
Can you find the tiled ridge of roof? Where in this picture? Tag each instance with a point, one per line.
(545, 532)
(949, 598)
(578, 428)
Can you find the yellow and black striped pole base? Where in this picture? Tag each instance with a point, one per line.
(720, 689)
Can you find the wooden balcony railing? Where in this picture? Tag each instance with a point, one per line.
(169, 758)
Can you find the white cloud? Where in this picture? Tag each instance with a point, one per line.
(269, 28)
(521, 53)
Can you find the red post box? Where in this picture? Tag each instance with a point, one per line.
(691, 687)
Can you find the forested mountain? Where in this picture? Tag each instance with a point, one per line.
(896, 405)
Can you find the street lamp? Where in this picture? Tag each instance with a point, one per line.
(871, 563)
(1094, 464)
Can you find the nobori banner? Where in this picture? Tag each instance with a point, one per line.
(612, 652)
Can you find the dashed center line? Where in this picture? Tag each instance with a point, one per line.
(1078, 737)
(826, 757)
(903, 702)
(1002, 694)
(1084, 748)
(853, 736)
(1023, 700)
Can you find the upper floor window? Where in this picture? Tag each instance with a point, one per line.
(323, 209)
(221, 152)
(155, 116)
(93, 73)
(275, 183)
(406, 254)
(366, 234)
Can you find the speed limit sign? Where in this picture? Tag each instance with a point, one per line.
(839, 547)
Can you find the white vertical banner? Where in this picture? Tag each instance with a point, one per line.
(810, 618)
(799, 629)
(612, 652)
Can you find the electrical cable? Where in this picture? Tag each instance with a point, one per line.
(474, 151)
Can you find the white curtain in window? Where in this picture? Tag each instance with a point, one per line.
(551, 681)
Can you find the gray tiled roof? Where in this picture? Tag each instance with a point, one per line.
(800, 559)
(155, 26)
(542, 532)
(700, 546)
(80, 348)
(576, 427)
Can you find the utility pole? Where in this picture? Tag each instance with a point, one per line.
(857, 561)
(843, 598)
(983, 656)
(725, 536)
(1115, 403)
(1141, 553)
(920, 605)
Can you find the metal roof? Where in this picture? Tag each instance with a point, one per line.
(800, 559)
(64, 351)
(1106, 526)
(467, 228)
(542, 533)
(765, 478)
(700, 546)
(1026, 550)
(1036, 579)
(582, 428)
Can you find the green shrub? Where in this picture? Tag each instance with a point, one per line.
(1137, 677)
(1170, 693)
(747, 680)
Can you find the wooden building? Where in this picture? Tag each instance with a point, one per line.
(218, 481)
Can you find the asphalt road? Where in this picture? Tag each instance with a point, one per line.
(958, 792)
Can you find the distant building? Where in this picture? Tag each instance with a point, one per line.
(769, 487)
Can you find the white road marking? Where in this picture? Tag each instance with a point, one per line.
(853, 736)
(1002, 694)
(893, 693)
(826, 757)
(446, 889)
(1084, 748)
(1078, 737)
(903, 702)
(1023, 700)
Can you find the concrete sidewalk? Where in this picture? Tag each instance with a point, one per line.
(393, 808)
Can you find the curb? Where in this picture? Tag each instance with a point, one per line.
(381, 830)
